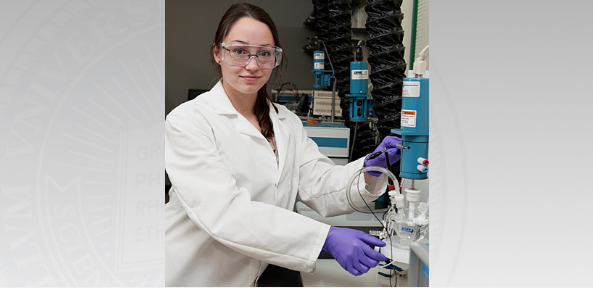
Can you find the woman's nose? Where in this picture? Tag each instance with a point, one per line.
(252, 64)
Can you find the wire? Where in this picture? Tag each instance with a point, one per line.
(328, 58)
(365, 203)
(391, 276)
(393, 271)
(372, 156)
(295, 91)
(353, 141)
(357, 174)
(388, 166)
(422, 53)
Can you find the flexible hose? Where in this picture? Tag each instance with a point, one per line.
(357, 175)
(340, 44)
(386, 58)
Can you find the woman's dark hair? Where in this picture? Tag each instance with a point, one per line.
(232, 15)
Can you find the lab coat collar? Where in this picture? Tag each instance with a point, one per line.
(223, 105)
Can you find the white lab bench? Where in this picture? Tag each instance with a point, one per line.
(329, 273)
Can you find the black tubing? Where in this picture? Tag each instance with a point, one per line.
(340, 31)
(386, 58)
(388, 67)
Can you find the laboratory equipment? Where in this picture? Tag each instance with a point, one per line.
(322, 104)
(322, 76)
(414, 122)
(361, 103)
(283, 96)
(406, 225)
(333, 140)
(414, 160)
(414, 128)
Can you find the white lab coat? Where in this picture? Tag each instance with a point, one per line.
(231, 205)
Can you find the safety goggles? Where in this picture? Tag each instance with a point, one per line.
(240, 54)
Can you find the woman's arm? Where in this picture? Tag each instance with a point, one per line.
(211, 198)
(323, 185)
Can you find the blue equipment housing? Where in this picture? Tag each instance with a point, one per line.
(414, 128)
(322, 76)
(360, 106)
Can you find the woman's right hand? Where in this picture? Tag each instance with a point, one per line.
(350, 248)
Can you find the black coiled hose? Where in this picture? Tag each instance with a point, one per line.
(321, 13)
(386, 58)
(388, 67)
(340, 45)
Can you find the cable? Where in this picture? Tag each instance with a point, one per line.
(295, 91)
(328, 58)
(381, 222)
(365, 203)
(420, 64)
(391, 276)
(388, 166)
(353, 141)
(357, 175)
(373, 156)
(423, 57)
(390, 175)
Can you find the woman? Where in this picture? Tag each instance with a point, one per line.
(238, 163)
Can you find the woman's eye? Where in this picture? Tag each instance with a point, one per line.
(265, 53)
(239, 51)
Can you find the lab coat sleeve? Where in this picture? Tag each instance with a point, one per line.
(213, 201)
(322, 184)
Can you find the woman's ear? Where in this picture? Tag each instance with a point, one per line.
(216, 52)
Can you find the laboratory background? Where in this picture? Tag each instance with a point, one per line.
(357, 71)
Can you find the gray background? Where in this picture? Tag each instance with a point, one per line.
(510, 129)
(191, 26)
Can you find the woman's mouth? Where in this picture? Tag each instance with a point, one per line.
(250, 78)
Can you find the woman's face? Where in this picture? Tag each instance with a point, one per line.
(247, 79)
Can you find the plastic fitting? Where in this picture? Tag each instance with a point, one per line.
(422, 161)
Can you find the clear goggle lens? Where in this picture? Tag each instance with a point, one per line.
(241, 54)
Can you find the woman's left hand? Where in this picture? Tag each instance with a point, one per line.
(388, 146)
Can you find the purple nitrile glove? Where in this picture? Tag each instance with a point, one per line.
(350, 249)
(388, 143)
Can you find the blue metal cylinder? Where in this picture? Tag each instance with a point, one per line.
(417, 147)
(414, 116)
(414, 127)
(359, 77)
(318, 57)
